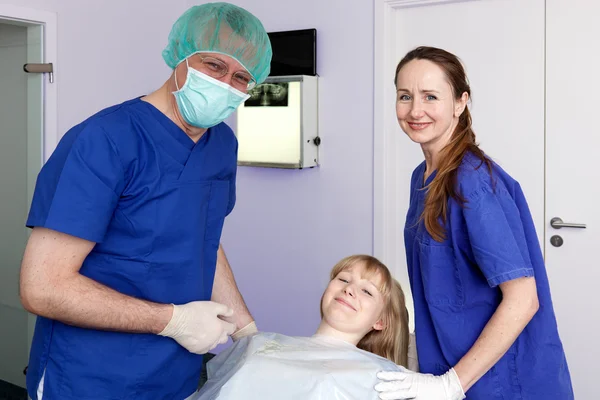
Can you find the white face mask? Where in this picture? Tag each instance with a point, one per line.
(204, 101)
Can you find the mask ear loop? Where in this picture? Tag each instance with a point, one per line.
(175, 74)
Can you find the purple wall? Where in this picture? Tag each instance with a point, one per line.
(290, 227)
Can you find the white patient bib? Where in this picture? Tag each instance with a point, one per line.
(272, 366)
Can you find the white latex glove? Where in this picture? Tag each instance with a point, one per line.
(248, 330)
(197, 327)
(413, 385)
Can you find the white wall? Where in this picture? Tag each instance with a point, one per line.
(290, 227)
(13, 181)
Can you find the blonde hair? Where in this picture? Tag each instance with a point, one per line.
(392, 341)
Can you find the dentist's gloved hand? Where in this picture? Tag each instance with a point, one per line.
(413, 385)
(197, 327)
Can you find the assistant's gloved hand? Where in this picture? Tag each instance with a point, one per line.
(248, 330)
(413, 385)
(197, 327)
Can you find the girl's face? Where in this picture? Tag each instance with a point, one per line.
(352, 303)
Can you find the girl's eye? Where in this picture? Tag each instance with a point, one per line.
(367, 292)
(343, 280)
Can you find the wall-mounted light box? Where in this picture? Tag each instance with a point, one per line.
(278, 125)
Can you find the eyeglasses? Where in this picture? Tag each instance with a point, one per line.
(217, 69)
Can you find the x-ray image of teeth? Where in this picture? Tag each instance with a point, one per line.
(268, 95)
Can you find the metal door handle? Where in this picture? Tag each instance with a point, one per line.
(558, 223)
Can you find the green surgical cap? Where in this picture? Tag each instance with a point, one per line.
(221, 28)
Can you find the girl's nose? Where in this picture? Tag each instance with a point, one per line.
(349, 291)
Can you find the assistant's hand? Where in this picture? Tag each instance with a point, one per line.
(413, 385)
(197, 327)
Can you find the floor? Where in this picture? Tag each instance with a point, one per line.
(9, 391)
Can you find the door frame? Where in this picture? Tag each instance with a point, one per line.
(386, 215)
(48, 21)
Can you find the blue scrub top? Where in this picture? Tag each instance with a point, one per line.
(455, 285)
(154, 202)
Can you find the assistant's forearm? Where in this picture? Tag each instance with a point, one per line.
(499, 334)
(79, 301)
(225, 291)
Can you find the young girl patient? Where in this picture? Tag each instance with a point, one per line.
(363, 330)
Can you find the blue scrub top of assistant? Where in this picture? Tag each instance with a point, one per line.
(154, 201)
(454, 283)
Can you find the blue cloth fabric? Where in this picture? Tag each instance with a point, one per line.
(454, 283)
(154, 202)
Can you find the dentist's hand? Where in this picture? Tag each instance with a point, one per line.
(197, 327)
(413, 385)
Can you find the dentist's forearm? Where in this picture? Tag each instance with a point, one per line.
(225, 291)
(51, 286)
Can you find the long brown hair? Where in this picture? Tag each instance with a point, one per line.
(392, 341)
(443, 186)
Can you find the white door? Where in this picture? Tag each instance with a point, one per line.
(572, 179)
(533, 68)
(506, 72)
(27, 124)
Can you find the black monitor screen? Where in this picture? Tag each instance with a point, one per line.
(294, 52)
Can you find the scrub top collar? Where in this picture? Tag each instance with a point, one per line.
(175, 131)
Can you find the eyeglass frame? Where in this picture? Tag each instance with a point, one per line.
(217, 75)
